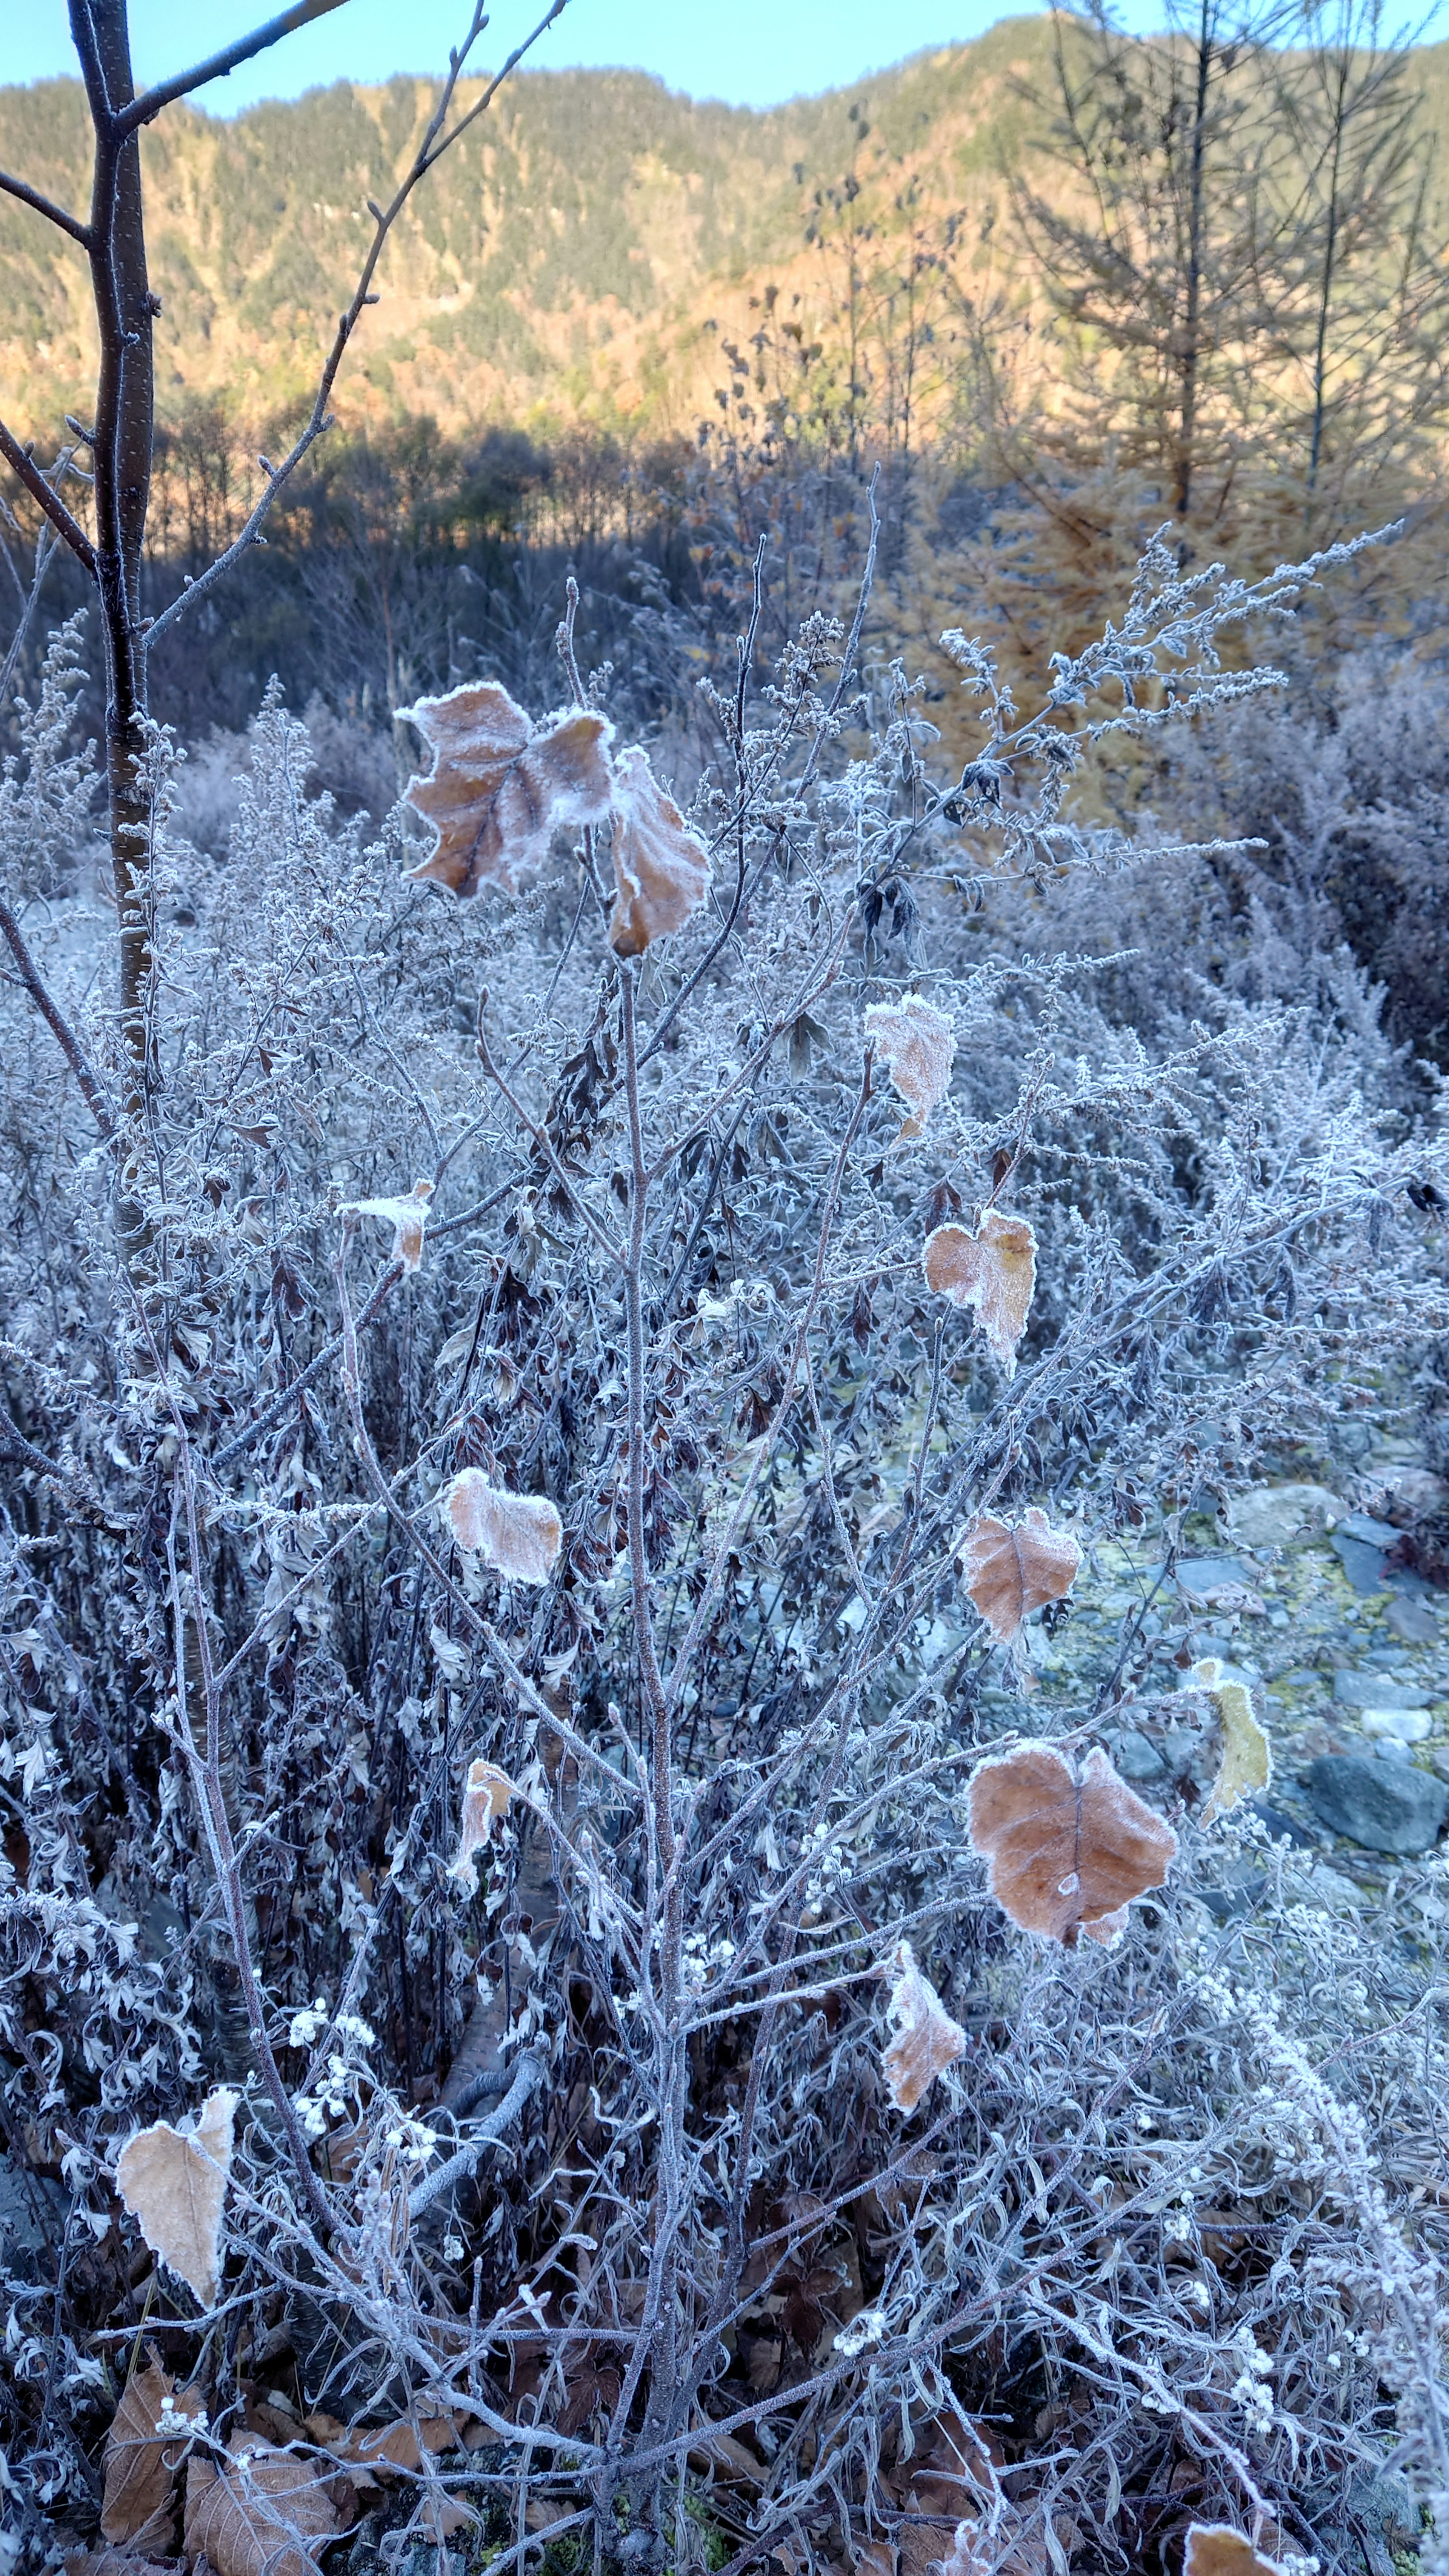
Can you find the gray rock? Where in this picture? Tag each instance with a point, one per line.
(1362, 1525)
(1199, 1576)
(1134, 1757)
(1370, 1690)
(1375, 1804)
(1389, 1749)
(1414, 1621)
(1272, 1514)
(1361, 1562)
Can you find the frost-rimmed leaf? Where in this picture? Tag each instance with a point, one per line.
(1067, 1855)
(1215, 2549)
(992, 1271)
(1012, 1571)
(173, 2182)
(1246, 1764)
(917, 1044)
(498, 789)
(486, 1793)
(926, 2040)
(408, 1218)
(517, 1534)
(266, 2513)
(661, 868)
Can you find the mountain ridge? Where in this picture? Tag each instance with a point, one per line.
(588, 253)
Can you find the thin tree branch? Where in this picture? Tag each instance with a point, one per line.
(92, 1089)
(319, 420)
(151, 101)
(528, 2075)
(23, 464)
(40, 205)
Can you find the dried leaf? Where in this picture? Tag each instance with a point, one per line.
(1215, 2549)
(917, 1045)
(1247, 1756)
(992, 1270)
(498, 791)
(138, 2505)
(927, 2040)
(1011, 1572)
(661, 871)
(1067, 1856)
(174, 2181)
(486, 1793)
(264, 2514)
(517, 1534)
(408, 1217)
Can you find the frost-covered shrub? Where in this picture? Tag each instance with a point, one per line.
(624, 1528)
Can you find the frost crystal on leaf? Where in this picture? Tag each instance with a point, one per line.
(992, 1270)
(916, 1044)
(1066, 1856)
(926, 2039)
(174, 2181)
(1215, 2549)
(517, 1534)
(408, 1218)
(498, 791)
(1011, 1572)
(486, 1793)
(265, 2513)
(661, 870)
(1246, 1765)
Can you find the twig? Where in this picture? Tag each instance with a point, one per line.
(527, 2076)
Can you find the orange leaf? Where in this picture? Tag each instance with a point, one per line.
(660, 869)
(486, 1793)
(927, 2040)
(1215, 2549)
(408, 1217)
(498, 791)
(517, 1534)
(916, 1043)
(1067, 1856)
(1011, 1572)
(173, 2182)
(992, 1270)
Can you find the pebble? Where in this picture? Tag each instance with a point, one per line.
(1377, 1805)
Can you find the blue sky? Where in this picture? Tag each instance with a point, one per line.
(752, 52)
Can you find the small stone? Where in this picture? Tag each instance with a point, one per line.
(1272, 1514)
(1390, 1750)
(1376, 1805)
(1414, 1621)
(1404, 1726)
(1369, 1532)
(1362, 1562)
(1370, 1690)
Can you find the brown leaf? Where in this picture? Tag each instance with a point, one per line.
(117, 2562)
(1011, 1572)
(916, 1044)
(992, 1270)
(498, 790)
(263, 2514)
(1215, 2549)
(1067, 1856)
(661, 871)
(173, 2182)
(138, 2505)
(486, 1793)
(517, 1534)
(927, 2040)
(408, 1218)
